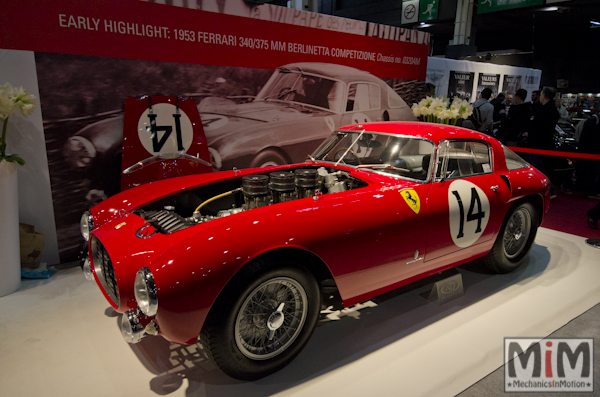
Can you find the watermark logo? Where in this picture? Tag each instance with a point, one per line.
(549, 365)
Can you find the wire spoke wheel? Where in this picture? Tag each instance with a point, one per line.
(516, 233)
(271, 318)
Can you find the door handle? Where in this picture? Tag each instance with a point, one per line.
(495, 188)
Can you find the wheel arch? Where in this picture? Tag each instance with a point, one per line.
(535, 200)
(310, 262)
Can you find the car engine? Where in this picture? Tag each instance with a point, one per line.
(172, 214)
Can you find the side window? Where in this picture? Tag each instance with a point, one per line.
(362, 97)
(459, 159)
(513, 160)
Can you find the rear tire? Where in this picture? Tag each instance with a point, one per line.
(515, 239)
(263, 319)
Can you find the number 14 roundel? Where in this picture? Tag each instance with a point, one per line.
(469, 210)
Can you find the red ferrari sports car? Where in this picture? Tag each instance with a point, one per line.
(239, 258)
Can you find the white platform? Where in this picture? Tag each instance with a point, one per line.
(58, 337)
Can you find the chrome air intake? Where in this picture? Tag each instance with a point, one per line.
(256, 191)
(282, 186)
(307, 182)
(104, 270)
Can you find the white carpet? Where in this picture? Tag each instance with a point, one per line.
(58, 337)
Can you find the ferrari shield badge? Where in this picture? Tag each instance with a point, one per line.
(412, 199)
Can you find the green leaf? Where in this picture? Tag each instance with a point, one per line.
(14, 158)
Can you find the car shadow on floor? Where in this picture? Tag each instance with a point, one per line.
(340, 338)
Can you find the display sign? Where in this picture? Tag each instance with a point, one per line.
(484, 6)
(510, 84)
(429, 10)
(491, 81)
(460, 85)
(139, 30)
(449, 77)
(410, 11)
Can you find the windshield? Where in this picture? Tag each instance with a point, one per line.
(303, 88)
(406, 157)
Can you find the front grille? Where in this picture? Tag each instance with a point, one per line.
(104, 270)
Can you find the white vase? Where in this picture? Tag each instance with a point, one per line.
(10, 258)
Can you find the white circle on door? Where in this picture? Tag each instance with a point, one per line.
(469, 210)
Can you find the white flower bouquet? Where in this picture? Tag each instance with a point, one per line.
(12, 99)
(440, 110)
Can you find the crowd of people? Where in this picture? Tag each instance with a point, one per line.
(517, 122)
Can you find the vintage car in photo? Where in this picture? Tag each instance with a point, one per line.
(238, 259)
(300, 105)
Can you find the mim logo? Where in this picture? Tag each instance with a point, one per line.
(549, 365)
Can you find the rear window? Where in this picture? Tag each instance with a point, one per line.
(513, 160)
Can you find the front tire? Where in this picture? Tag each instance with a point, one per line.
(515, 239)
(263, 319)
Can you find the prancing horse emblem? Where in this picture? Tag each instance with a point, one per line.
(412, 199)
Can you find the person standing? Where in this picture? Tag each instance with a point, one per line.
(483, 113)
(589, 170)
(499, 108)
(535, 102)
(541, 133)
(516, 121)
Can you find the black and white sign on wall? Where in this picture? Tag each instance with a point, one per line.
(410, 11)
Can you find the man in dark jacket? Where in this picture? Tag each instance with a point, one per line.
(541, 133)
(517, 120)
(499, 108)
(535, 102)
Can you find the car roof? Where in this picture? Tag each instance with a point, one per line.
(432, 131)
(341, 72)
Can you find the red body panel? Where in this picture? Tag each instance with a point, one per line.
(369, 238)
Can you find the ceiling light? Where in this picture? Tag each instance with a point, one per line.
(549, 9)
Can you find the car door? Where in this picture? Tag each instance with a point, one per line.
(466, 201)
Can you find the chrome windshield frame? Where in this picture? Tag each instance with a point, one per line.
(361, 131)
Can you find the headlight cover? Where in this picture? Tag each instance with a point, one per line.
(145, 292)
(86, 224)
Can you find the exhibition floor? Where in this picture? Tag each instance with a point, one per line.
(58, 337)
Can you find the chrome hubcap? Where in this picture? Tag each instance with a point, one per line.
(271, 318)
(276, 319)
(516, 233)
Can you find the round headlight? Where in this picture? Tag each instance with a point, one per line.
(145, 292)
(86, 224)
